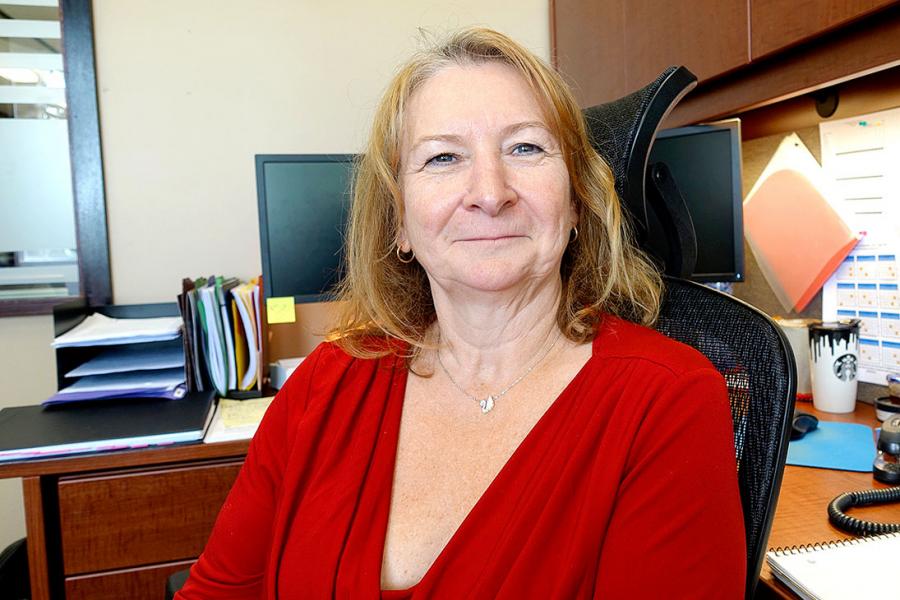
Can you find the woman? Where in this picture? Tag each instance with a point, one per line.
(490, 420)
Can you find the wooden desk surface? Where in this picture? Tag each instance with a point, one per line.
(95, 461)
(801, 515)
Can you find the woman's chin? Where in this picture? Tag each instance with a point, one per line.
(494, 277)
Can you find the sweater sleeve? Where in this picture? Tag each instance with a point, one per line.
(677, 530)
(233, 563)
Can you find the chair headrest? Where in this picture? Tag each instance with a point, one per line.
(622, 132)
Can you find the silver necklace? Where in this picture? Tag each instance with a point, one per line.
(487, 403)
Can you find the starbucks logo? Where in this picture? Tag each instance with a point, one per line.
(845, 367)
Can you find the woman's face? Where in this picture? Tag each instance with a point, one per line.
(485, 187)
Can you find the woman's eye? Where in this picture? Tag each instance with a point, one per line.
(526, 149)
(444, 158)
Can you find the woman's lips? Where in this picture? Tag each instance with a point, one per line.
(491, 238)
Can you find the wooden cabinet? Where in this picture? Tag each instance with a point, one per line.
(612, 47)
(709, 36)
(588, 40)
(126, 518)
(776, 25)
(139, 583)
(745, 54)
(116, 525)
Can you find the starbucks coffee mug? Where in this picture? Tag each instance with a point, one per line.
(833, 362)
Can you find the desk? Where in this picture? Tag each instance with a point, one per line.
(115, 525)
(801, 517)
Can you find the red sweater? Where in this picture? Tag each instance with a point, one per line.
(626, 487)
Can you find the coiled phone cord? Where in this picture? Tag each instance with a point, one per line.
(862, 498)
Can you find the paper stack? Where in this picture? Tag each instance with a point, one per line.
(133, 358)
(223, 337)
(236, 419)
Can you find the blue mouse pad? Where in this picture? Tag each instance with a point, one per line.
(843, 446)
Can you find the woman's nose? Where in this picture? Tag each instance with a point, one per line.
(489, 186)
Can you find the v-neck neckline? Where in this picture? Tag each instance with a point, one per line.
(541, 424)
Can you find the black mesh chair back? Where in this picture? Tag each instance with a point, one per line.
(623, 131)
(743, 343)
(750, 351)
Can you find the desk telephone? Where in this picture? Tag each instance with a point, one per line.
(886, 468)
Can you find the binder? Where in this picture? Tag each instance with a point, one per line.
(28, 432)
(223, 335)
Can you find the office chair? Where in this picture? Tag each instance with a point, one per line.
(175, 582)
(14, 581)
(622, 132)
(742, 342)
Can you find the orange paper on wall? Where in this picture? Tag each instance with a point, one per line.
(798, 239)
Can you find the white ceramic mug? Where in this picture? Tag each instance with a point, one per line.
(797, 333)
(833, 365)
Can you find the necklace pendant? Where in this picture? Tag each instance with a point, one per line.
(487, 404)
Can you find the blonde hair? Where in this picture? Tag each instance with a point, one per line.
(384, 298)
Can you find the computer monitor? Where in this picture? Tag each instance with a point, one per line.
(303, 205)
(705, 162)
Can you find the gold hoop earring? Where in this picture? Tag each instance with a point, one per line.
(412, 256)
(573, 235)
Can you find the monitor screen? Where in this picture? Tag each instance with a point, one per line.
(705, 162)
(303, 205)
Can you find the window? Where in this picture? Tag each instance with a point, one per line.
(53, 242)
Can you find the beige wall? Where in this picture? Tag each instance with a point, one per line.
(189, 92)
(28, 373)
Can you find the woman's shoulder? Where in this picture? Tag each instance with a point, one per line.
(370, 348)
(331, 380)
(330, 365)
(621, 339)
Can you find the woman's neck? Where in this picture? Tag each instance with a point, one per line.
(486, 340)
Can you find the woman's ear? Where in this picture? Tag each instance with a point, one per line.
(402, 241)
(573, 205)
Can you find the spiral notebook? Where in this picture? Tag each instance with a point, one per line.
(858, 568)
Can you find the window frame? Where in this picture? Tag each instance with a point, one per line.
(77, 23)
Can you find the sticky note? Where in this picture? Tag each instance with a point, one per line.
(280, 310)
